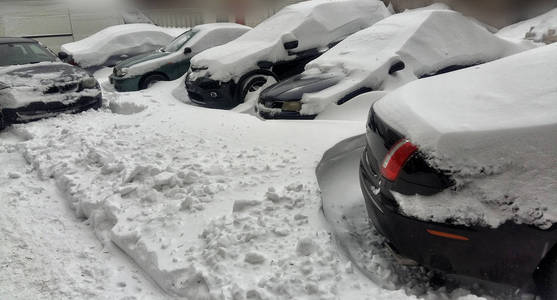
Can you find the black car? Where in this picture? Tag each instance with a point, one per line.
(34, 84)
(463, 159)
(280, 47)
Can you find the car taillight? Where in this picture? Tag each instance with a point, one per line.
(396, 158)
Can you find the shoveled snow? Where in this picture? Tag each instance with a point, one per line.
(499, 139)
(541, 29)
(127, 39)
(426, 40)
(207, 36)
(210, 204)
(315, 24)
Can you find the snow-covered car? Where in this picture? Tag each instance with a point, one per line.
(541, 29)
(394, 51)
(460, 170)
(116, 43)
(172, 61)
(278, 48)
(35, 85)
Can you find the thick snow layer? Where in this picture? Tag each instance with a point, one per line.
(541, 29)
(28, 82)
(499, 139)
(207, 36)
(128, 39)
(315, 24)
(426, 40)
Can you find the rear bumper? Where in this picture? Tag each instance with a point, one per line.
(277, 113)
(37, 111)
(125, 84)
(508, 254)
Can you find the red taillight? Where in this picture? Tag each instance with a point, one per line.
(396, 158)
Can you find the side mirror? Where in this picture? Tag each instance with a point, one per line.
(291, 45)
(187, 50)
(63, 55)
(397, 66)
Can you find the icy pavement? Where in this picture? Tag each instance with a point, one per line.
(210, 204)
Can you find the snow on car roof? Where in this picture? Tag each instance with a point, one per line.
(314, 24)
(426, 40)
(536, 29)
(118, 40)
(494, 127)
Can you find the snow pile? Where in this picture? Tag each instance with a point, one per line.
(541, 29)
(426, 40)
(206, 36)
(27, 84)
(314, 24)
(499, 140)
(128, 39)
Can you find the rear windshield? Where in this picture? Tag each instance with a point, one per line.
(180, 41)
(23, 53)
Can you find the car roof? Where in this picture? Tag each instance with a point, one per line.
(10, 40)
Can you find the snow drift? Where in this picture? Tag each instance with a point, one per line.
(498, 140)
(314, 24)
(426, 40)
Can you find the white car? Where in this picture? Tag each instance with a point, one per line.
(279, 47)
(391, 53)
(116, 43)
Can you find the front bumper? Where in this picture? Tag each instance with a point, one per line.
(125, 84)
(508, 254)
(212, 94)
(39, 110)
(272, 112)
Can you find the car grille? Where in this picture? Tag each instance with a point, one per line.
(209, 85)
(60, 89)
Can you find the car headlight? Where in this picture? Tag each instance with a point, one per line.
(292, 106)
(89, 83)
(120, 72)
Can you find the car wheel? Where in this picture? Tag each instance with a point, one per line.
(546, 279)
(254, 84)
(150, 80)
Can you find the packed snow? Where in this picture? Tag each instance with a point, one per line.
(541, 29)
(27, 84)
(426, 40)
(206, 36)
(499, 140)
(314, 24)
(127, 39)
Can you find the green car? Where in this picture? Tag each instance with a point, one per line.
(173, 61)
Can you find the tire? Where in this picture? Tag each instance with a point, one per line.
(2, 122)
(151, 79)
(255, 84)
(546, 279)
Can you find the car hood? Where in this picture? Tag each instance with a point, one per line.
(295, 87)
(141, 58)
(41, 75)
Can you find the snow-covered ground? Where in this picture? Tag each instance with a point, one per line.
(153, 198)
(542, 29)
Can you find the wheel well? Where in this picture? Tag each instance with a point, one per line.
(149, 74)
(246, 76)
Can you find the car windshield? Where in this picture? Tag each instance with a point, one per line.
(23, 53)
(180, 41)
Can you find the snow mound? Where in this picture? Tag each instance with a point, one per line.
(426, 40)
(541, 29)
(314, 24)
(499, 140)
(127, 39)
